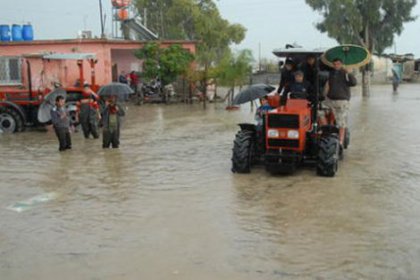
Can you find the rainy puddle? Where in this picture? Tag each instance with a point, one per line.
(32, 202)
(165, 205)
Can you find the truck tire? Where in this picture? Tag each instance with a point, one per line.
(10, 120)
(71, 109)
(327, 164)
(243, 151)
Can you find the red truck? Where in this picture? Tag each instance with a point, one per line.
(19, 105)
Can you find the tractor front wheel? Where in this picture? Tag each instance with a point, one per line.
(10, 120)
(243, 151)
(328, 155)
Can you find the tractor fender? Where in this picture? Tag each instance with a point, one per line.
(16, 107)
(329, 129)
(248, 126)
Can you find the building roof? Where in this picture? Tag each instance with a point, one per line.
(91, 41)
(70, 56)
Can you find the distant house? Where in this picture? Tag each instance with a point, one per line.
(113, 57)
(417, 66)
(407, 63)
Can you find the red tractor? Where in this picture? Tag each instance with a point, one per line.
(290, 134)
(19, 107)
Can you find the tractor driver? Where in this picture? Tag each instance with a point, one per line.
(338, 95)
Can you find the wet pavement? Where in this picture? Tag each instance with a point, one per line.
(166, 206)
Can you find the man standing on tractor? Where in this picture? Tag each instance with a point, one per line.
(338, 95)
(286, 76)
(309, 69)
(89, 115)
(61, 123)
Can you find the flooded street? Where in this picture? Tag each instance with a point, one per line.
(166, 206)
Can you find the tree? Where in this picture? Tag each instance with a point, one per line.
(370, 23)
(198, 20)
(165, 63)
(235, 69)
(216, 35)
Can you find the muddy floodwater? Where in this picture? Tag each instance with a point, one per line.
(166, 206)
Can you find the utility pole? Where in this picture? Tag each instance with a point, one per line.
(102, 20)
(259, 57)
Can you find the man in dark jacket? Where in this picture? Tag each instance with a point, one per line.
(111, 119)
(338, 96)
(309, 69)
(122, 78)
(61, 123)
(286, 76)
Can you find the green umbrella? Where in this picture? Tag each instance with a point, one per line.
(351, 55)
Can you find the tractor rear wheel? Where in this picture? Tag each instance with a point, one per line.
(243, 151)
(10, 120)
(327, 164)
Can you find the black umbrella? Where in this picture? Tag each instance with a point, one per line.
(252, 92)
(44, 111)
(120, 90)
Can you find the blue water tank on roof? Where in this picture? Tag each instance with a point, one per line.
(27, 32)
(4, 33)
(16, 32)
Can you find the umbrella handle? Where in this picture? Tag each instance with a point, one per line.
(345, 51)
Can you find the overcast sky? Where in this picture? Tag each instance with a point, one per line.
(270, 23)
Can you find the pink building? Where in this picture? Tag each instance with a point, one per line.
(113, 57)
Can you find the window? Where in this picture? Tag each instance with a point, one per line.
(10, 70)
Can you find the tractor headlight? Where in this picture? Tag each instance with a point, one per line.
(273, 133)
(293, 134)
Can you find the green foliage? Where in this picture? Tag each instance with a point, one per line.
(198, 20)
(235, 69)
(166, 63)
(371, 23)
